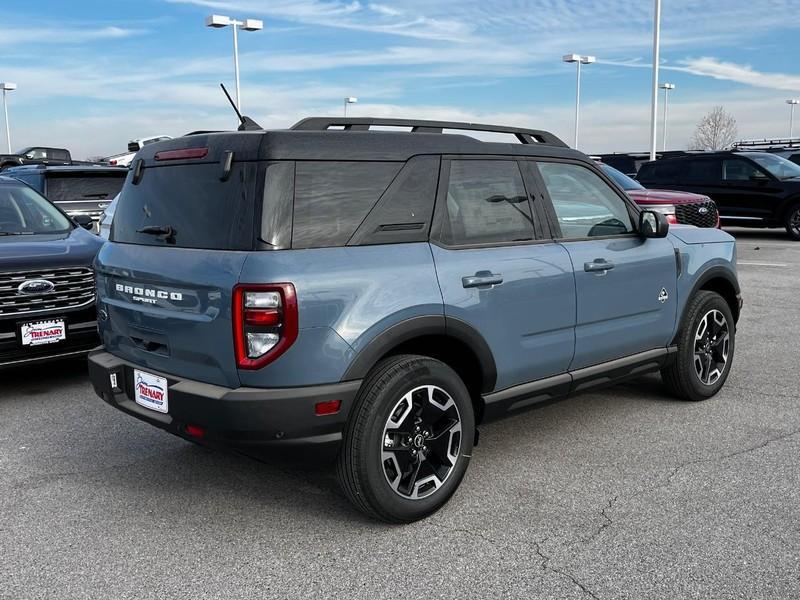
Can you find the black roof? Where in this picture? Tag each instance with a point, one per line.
(330, 138)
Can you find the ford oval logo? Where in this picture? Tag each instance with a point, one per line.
(35, 286)
(702, 210)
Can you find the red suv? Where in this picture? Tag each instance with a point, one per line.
(680, 207)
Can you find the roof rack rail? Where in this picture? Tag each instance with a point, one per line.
(525, 136)
(768, 142)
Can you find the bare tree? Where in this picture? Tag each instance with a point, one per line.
(717, 130)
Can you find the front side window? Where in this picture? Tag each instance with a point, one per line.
(778, 166)
(736, 169)
(24, 211)
(585, 205)
(486, 203)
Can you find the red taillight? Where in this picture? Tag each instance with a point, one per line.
(182, 153)
(265, 322)
(195, 431)
(112, 162)
(262, 317)
(329, 407)
(672, 219)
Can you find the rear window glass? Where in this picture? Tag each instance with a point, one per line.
(660, 172)
(64, 186)
(201, 210)
(333, 198)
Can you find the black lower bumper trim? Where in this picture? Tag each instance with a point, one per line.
(241, 417)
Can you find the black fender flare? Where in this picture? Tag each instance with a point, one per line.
(421, 326)
(716, 272)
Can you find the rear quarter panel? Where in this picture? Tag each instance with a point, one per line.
(346, 296)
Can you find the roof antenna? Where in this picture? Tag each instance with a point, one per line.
(245, 123)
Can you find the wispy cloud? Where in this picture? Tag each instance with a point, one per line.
(744, 74)
(59, 35)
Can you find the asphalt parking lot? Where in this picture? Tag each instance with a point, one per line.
(622, 493)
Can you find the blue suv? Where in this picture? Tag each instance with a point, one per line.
(375, 289)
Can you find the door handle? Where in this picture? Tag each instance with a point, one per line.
(482, 279)
(598, 265)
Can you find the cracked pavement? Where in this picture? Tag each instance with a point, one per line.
(619, 493)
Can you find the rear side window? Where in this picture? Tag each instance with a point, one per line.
(486, 203)
(333, 198)
(59, 155)
(701, 171)
(665, 172)
(65, 186)
(201, 210)
(585, 205)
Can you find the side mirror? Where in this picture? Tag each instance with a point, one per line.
(760, 178)
(29, 156)
(84, 221)
(653, 224)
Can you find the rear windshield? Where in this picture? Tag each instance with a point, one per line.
(82, 186)
(190, 206)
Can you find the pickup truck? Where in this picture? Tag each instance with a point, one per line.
(124, 159)
(37, 155)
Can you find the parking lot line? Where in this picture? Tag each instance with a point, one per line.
(761, 264)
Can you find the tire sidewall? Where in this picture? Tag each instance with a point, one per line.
(423, 372)
(711, 301)
(792, 210)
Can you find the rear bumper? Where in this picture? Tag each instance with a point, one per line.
(243, 418)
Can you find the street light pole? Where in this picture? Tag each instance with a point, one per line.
(656, 58)
(666, 87)
(578, 60)
(7, 87)
(218, 21)
(792, 103)
(349, 100)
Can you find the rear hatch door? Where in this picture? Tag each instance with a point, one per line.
(168, 297)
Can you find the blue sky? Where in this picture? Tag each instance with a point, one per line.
(93, 74)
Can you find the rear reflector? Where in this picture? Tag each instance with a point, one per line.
(195, 431)
(329, 407)
(182, 153)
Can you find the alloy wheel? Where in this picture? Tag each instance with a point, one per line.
(421, 442)
(711, 347)
(794, 222)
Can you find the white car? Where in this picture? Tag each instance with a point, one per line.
(107, 217)
(124, 159)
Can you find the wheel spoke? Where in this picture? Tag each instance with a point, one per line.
(421, 442)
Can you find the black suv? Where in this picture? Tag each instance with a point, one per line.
(751, 189)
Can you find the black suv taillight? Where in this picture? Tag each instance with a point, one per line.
(264, 322)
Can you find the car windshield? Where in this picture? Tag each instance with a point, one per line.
(622, 180)
(24, 212)
(776, 165)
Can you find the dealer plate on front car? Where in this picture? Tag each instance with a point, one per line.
(150, 391)
(39, 333)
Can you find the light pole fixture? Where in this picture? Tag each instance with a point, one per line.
(656, 59)
(349, 100)
(792, 102)
(218, 21)
(7, 87)
(578, 60)
(667, 87)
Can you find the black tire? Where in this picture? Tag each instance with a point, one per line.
(687, 378)
(792, 222)
(363, 468)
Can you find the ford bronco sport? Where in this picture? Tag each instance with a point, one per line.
(378, 294)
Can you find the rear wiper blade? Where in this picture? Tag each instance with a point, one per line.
(166, 231)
